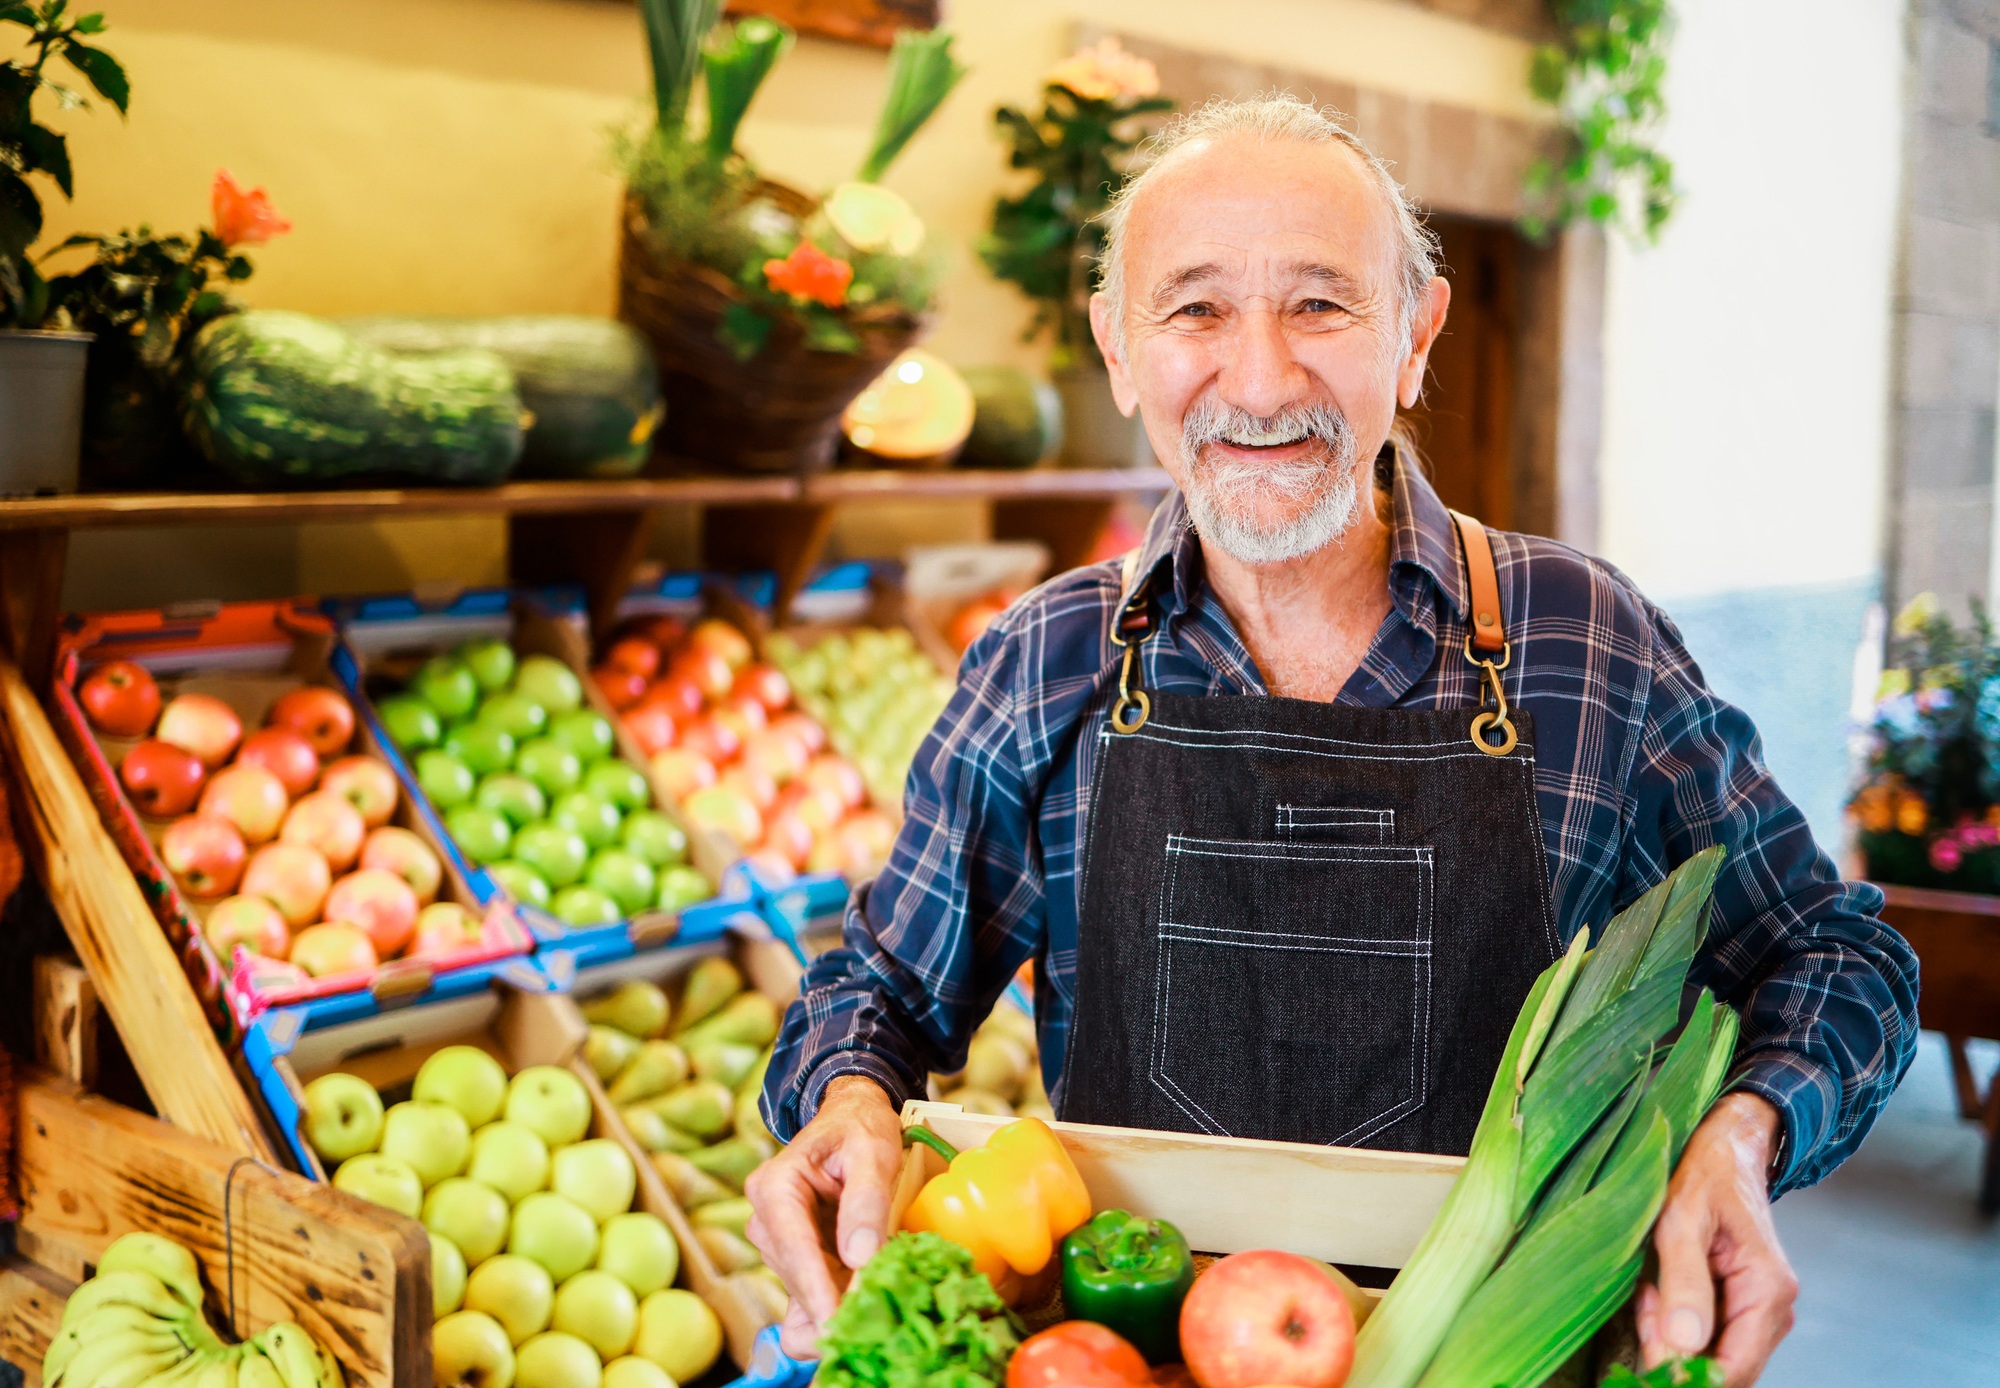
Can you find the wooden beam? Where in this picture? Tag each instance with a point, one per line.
(66, 1019)
(31, 576)
(1069, 526)
(599, 549)
(31, 1304)
(787, 540)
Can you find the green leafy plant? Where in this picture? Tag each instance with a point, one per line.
(1604, 76)
(29, 147)
(1047, 239)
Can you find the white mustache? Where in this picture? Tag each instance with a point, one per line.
(1211, 421)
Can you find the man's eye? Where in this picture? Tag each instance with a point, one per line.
(1195, 311)
(1319, 306)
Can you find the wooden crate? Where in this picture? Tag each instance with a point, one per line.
(272, 1245)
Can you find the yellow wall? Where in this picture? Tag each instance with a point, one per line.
(451, 156)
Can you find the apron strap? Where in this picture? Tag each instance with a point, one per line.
(1489, 632)
(1129, 626)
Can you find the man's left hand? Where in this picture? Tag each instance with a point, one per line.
(1718, 1250)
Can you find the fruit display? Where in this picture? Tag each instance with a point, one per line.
(685, 1072)
(529, 784)
(140, 1320)
(543, 1272)
(725, 740)
(876, 694)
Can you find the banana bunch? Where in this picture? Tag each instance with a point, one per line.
(138, 1324)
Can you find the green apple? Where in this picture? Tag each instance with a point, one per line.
(557, 853)
(515, 714)
(625, 877)
(514, 797)
(551, 1102)
(586, 733)
(444, 778)
(595, 819)
(517, 1292)
(433, 1138)
(491, 661)
(343, 1116)
(520, 881)
(623, 784)
(597, 1174)
(599, 1310)
(584, 906)
(410, 721)
(385, 1181)
(483, 834)
(511, 1158)
(678, 1332)
(549, 764)
(653, 837)
(549, 683)
(484, 747)
(470, 1213)
(465, 1078)
(681, 887)
(630, 1371)
(555, 1360)
(556, 1232)
(470, 1347)
(639, 1250)
(447, 686)
(447, 1277)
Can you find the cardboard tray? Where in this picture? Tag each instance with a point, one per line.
(247, 654)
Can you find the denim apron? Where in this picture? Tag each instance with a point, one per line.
(1304, 921)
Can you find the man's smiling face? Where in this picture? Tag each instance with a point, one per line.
(1264, 340)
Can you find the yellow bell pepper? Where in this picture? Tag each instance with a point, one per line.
(1008, 1204)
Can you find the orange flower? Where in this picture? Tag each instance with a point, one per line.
(810, 273)
(1106, 72)
(243, 219)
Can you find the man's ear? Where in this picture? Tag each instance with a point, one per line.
(1423, 332)
(1101, 328)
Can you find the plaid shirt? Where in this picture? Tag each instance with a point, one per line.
(1639, 767)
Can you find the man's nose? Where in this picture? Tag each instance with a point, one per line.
(1260, 373)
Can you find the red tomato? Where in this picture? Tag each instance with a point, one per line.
(1077, 1354)
(122, 699)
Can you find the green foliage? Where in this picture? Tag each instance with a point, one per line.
(153, 293)
(1604, 77)
(922, 73)
(674, 33)
(29, 147)
(735, 63)
(1675, 1373)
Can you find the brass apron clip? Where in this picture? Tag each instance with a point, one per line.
(1133, 708)
(1497, 717)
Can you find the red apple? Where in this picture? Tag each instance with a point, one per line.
(969, 623)
(651, 726)
(663, 629)
(712, 739)
(1267, 1317)
(120, 698)
(766, 684)
(719, 638)
(680, 773)
(408, 856)
(755, 786)
(726, 810)
(837, 774)
(777, 755)
(249, 921)
(332, 948)
(820, 807)
(324, 821)
(249, 797)
(205, 853)
(317, 714)
(285, 755)
(162, 779)
(749, 708)
(290, 876)
(678, 695)
(366, 784)
(380, 903)
(706, 670)
(635, 655)
(790, 837)
(621, 688)
(445, 927)
(864, 839)
(201, 724)
(809, 733)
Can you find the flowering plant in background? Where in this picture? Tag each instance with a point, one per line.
(1928, 809)
(243, 218)
(1046, 240)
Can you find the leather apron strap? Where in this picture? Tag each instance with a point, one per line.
(1489, 626)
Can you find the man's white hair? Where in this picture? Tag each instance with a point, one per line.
(1277, 116)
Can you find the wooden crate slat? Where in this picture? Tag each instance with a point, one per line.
(31, 1303)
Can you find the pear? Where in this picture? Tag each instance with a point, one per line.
(635, 1007)
(732, 1214)
(725, 1062)
(609, 1051)
(655, 1133)
(731, 1161)
(1009, 1020)
(769, 1290)
(710, 984)
(701, 1107)
(748, 1019)
(692, 1186)
(729, 1252)
(658, 1067)
(996, 1064)
(749, 1121)
(980, 1101)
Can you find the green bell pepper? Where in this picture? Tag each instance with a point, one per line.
(1129, 1275)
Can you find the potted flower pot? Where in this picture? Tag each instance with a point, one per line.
(41, 410)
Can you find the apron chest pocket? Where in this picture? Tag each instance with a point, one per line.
(1254, 935)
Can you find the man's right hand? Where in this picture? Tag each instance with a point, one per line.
(837, 1175)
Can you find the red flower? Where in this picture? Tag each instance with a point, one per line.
(810, 273)
(243, 219)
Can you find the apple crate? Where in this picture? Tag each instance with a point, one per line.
(383, 642)
(520, 1026)
(247, 655)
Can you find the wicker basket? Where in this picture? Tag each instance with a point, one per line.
(777, 412)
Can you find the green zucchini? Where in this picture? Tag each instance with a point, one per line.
(590, 383)
(285, 399)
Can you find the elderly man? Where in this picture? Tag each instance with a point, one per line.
(1289, 809)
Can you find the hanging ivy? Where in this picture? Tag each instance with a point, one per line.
(1604, 78)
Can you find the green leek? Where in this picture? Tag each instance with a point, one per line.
(922, 73)
(737, 60)
(674, 33)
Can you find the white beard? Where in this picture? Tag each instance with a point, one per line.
(1270, 513)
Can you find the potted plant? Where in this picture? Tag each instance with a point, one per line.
(41, 368)
(1047, 239)
(769, 308)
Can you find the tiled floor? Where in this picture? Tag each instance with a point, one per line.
(1899, 1273)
